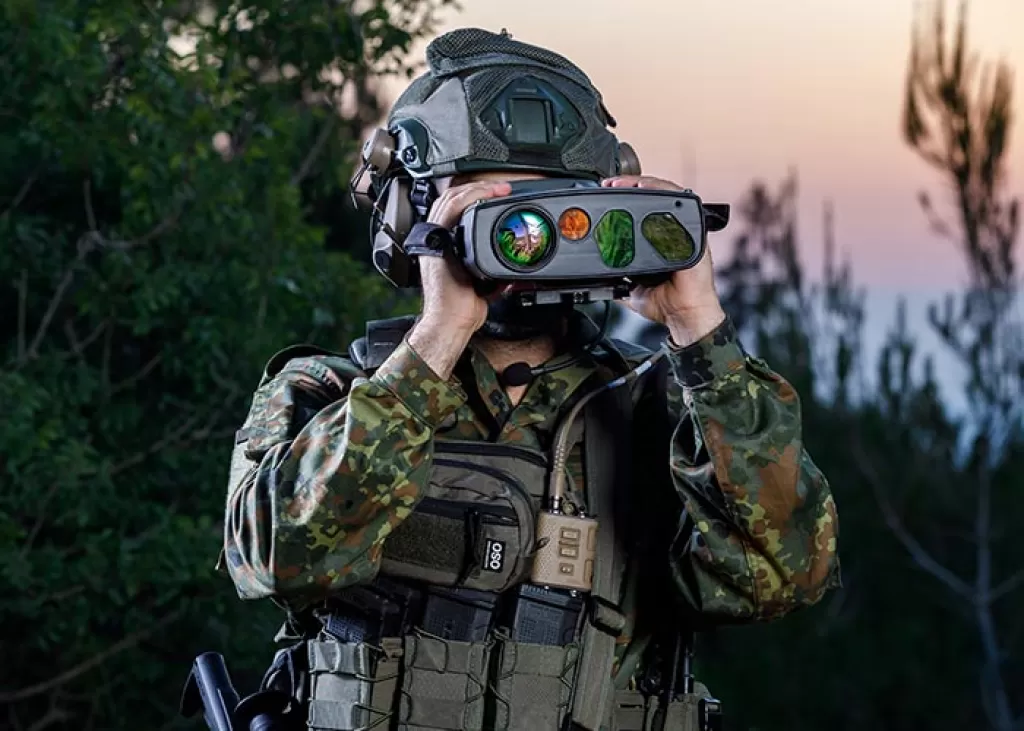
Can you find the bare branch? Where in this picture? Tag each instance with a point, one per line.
(317, 149)
(159, 230)
(917, 552)
(54, 715)
(135, 378)
(982, 536)
(12, 718)
(78, 346)
(231, 388)
(90, 214)
(83, 667)
(172, 437)
(108, 343)
(22, 312)
(69, 330)
(23, 191)
(32, 534)
(97, 239)
(1006, 587)
(59, 596)
(177, 436)
(85, 245)
(51, 309)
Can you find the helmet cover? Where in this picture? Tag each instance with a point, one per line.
(488, 102)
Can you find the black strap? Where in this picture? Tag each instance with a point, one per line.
(280, 359)
(381, 339)
(428, 239)
(607, 439)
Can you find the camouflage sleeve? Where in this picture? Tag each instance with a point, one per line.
(320, 493)
(760, 527)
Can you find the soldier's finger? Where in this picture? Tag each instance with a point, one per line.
(478, 191)
(620, 181)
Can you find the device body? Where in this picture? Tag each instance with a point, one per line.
(575, 237)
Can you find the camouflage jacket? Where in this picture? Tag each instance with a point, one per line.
(335, 460)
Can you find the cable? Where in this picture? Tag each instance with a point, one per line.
(556, 487)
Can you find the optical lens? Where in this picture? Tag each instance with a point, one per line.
(668, 237)
(614, 234)
(574, 224)
(524, 238)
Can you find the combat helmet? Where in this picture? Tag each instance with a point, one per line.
(487, 102)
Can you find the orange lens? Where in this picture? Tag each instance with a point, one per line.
(574, 224)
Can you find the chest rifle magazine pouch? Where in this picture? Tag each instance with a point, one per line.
(343, 677)
(444, 684)
(534, 685)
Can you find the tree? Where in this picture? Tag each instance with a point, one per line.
(156, 247)
(958, 120)
(926, 497)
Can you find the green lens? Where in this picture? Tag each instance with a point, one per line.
(524, 238)
(614, 234)
(668, 237)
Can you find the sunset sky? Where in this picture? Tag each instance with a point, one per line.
(717, 93)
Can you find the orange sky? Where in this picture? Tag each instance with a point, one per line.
(715, 93)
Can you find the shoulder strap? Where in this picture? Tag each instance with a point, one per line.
(620, 355)
(367, 352)
(382, 338)
(280, 359)
(608, 441)
(630, 351)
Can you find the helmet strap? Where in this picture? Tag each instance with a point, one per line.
(422, 197)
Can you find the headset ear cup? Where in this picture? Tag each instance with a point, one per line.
(389, 258)
(379, 151)
(629, 161)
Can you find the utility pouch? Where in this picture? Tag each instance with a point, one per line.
(342, 680)
(474, 528)
(534, 685)
(443, 684)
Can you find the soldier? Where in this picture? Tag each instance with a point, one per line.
(396, 499)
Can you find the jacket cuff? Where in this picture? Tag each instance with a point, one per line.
(714, 356)
(428, 396)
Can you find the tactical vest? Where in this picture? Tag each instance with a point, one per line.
(454, 633)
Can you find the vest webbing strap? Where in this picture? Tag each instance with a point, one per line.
(608, 441)
(386, 674)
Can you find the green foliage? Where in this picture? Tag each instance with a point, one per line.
(165, 167)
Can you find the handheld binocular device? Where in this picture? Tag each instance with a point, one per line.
(552, 239)
(571, 238)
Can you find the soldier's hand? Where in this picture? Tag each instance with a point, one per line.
(687, 304)
(448, 294)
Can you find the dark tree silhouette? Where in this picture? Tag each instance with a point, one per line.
(957, 117)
